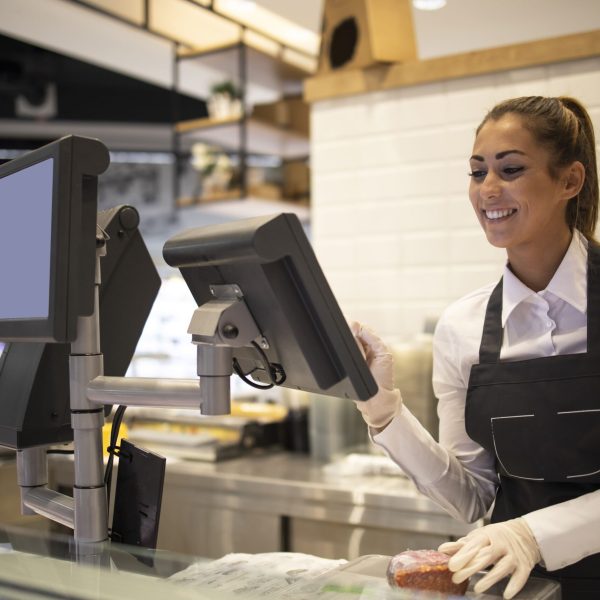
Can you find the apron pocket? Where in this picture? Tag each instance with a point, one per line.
(516, 445)
(578, 435)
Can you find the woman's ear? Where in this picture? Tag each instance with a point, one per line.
(573, 178)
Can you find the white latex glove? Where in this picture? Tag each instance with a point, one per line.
(509, 546)
(379, 410)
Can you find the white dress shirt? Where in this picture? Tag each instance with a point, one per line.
(459, 474)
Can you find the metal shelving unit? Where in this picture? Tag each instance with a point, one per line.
(243, 134)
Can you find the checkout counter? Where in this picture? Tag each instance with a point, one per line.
(272, 524)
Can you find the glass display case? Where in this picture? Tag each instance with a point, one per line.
(37, 564)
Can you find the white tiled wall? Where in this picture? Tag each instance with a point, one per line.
(391, 220)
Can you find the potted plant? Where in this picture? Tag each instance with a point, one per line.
(225, 100)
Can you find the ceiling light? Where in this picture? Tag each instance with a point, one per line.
(429, 4)
(239, 6)
(270, 24)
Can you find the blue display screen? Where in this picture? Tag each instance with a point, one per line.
(25, 242)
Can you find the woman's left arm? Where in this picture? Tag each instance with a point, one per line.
(568, 531)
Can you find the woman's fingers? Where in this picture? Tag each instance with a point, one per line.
(451, 548)
(469, 550)
(483, 559)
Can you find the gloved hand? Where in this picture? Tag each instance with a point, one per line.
(379, 410)
(509, 546)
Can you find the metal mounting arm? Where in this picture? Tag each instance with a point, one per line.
(218, 326)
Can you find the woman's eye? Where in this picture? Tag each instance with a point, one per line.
(512, 170)
(477, 174)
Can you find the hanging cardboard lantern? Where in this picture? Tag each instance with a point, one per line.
(359, 33)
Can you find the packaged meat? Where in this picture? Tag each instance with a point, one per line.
(423, 570)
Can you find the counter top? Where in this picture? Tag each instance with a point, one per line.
(264, 484)
(300, 485)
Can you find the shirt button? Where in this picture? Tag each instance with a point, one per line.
(549, 324)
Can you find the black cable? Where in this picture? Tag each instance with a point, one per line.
(113, 449)
(275, 373)
(245, 379)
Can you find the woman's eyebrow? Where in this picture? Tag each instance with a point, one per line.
(499, 155)
(506, 152)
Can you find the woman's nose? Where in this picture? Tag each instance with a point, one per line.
(491, 186)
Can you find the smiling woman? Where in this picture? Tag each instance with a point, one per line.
(517, 364)
(529, 167)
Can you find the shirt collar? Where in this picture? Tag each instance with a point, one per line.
(569, 283)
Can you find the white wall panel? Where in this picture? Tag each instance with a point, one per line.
(393, 225)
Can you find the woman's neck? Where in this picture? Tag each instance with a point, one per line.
(535, 266)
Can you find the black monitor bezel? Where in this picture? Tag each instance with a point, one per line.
(76, 163)
(221, 253)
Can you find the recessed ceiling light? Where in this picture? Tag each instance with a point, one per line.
(429, 4)
(241, 6)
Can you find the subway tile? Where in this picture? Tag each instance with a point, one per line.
(470, 98)
(467, 278)
(344, 118)
(457, 176)
(424, 145)
(334, 253)
(378, 217)
(424, 248)
(404, 109)
(523, 82)
(381, 183)
(414, 316)
(374, 283)
(342, 283)
(383, 250)
(459, 141)
(338, 155)
(384, 318)
(580, 79)
(334, 188)
(426, 282)
(333, 221)
(423, 213)
(424, 179)
(460, 213)
(470, 246)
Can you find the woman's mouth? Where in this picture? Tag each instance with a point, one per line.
(499, 215)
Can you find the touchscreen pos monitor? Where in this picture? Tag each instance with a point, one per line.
(34, 376)
(308, 341)
(47, 239)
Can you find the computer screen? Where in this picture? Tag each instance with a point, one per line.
(272, 262)
(26, 241)
(47, 239)
(34, 376)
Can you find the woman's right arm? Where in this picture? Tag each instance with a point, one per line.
(456, 473)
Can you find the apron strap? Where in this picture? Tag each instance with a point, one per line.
(491, 340)
(593, 299)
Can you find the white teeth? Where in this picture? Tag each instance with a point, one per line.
(497, 214)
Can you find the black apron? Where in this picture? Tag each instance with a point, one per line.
(540, 418)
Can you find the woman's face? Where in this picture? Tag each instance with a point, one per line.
(517, 202)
